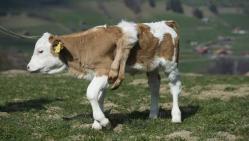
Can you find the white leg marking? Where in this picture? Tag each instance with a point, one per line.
(101, 99)
(175, 89)
(154, 84)
(97, 84)
(96, 125)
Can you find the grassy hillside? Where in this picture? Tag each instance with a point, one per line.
(72, 16)
(41, 107)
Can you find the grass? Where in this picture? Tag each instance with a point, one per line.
(41, 107)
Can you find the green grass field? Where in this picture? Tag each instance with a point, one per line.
(42, 107)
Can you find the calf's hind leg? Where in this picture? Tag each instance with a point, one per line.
(175, 89)
(154, 84)
(97, 85)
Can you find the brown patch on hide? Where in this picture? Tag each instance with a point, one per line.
(146, 49)
(92, 49)
(143, 53)
(173, 25)
(148, 46)
(167, 47)
(177, 46)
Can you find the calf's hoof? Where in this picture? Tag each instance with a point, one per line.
(116, 84)
(96, 125)
(176, 116)
(176, 120)
(113, 74)
(104, 122)
(153, 116)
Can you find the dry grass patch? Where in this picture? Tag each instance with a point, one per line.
(139, 82)
(79, 125)
(4, 115)
(223, 136)
(118, 128)
(110, 105)
(77, 138)
(36, 135)
(186, 135)
(54, 113)
(223, 91)
(14, 72)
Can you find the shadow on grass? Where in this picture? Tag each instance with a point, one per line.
(77, 116)
(26, 105)
(121, 118)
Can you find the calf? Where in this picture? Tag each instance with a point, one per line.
(91, 53)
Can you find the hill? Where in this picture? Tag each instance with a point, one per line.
(71, 16)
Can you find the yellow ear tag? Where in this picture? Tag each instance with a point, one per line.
(58, 48)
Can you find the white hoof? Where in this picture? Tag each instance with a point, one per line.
(176, 115)
(153, 116)
(176, 119)
(96, 125)
(105, 122)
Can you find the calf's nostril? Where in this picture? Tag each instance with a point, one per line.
(27, 67)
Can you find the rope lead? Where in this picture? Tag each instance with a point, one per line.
(15, 35)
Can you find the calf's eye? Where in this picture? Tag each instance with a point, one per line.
(40, 51)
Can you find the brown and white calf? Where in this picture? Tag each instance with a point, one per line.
(90, 54)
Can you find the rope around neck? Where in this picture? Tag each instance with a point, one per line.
(15, 35)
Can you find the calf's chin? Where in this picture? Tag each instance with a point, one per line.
(49, 65)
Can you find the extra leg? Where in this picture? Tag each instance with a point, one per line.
(121, 73)
(154, 84)
(94, 89)
(113, 74)
(175, 89)
(117, 71)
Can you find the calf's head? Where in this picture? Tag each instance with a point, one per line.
(45, 57)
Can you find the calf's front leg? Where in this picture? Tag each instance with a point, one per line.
(95, 88)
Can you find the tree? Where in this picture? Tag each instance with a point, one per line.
(134, 5)
(174, 5)
(152, 3)
(213, 9)
(198, 13)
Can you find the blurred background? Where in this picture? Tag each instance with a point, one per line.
(214, 33)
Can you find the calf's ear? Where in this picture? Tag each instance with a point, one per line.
(56, 43)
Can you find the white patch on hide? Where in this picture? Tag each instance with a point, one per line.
(154, 64)
(130, 30)
(138, 66)
(168, 66)
(159, 29)
(89, 75)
